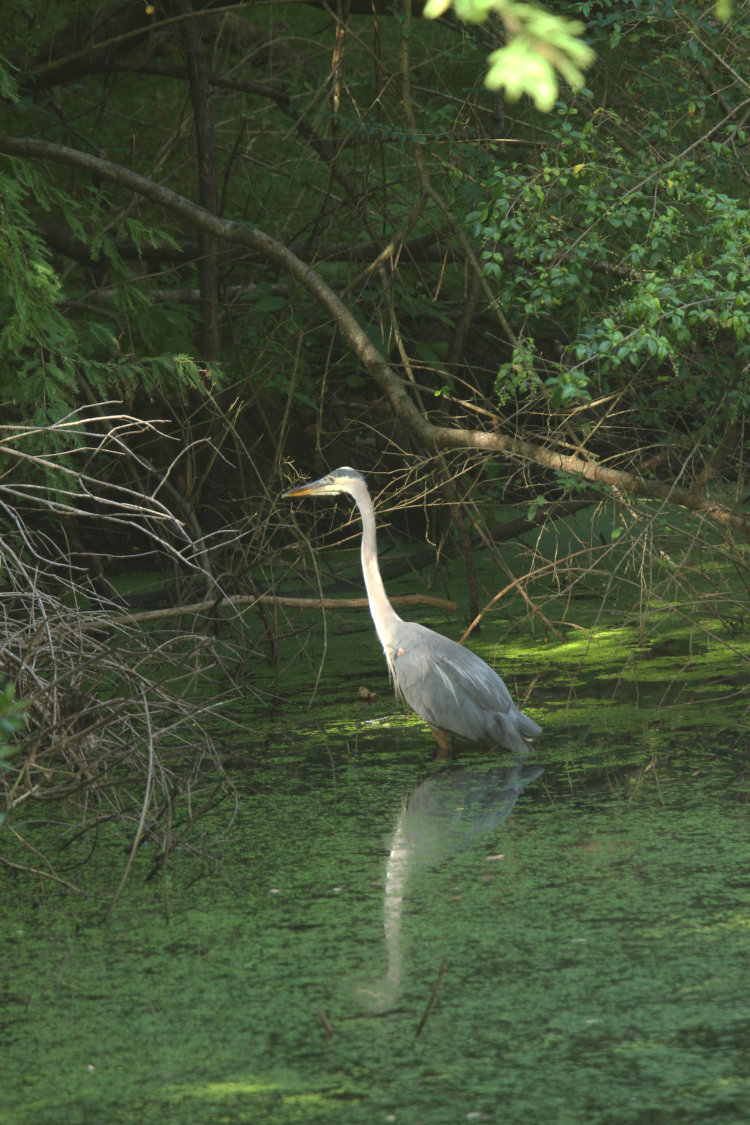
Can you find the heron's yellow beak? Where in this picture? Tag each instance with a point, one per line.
(300, 490)
(325, 484)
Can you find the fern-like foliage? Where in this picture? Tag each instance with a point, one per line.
(57, 346)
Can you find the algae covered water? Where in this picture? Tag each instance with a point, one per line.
(380, 941)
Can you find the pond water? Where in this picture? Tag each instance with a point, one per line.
(382, 941)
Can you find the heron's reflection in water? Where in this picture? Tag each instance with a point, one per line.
(450, 811)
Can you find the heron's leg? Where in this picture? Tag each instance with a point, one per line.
(443, 741)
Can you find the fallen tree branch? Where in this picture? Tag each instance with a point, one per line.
(393, 387)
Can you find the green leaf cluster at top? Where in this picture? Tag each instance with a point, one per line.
(540, 45)
(638, 270)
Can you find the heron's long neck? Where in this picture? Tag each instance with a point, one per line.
(384, 615)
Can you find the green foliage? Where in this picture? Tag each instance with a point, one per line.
(640, 267)
(51, 342)
(539, 45)
(54, 343)
(8, 85)
(12, 720)
(612, 230)
(518, 378)
(37, 339)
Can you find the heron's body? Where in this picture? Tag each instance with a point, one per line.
(447, 685)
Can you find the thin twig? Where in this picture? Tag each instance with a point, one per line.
(144, 809)
(330, 1027)
(431, 1001)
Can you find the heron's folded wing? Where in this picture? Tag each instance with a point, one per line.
(451, 689)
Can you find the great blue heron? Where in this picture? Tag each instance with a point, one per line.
(448, 686)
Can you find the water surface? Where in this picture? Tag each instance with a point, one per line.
(382, 942)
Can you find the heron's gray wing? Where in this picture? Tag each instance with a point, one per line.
(452, 688)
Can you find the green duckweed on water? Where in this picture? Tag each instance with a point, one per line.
(374, 940)
(584, 940)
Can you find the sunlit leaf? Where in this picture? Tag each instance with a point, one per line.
(433, 9)
(519, 70)
(540, 45)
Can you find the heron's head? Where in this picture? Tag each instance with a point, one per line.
(340, 480)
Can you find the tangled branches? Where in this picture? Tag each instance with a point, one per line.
(111, 737)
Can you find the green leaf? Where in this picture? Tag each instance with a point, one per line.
(540, 45)
(520, 70)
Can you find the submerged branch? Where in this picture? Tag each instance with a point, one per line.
(273, 600)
